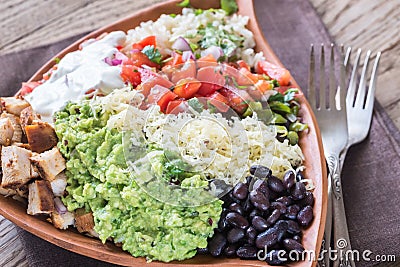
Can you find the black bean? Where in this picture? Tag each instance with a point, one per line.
(247, 252)
(299, 176)
(275, 184)
(247, 206)
(255, 212)
(236, 208)
(289, 179)
(285, 200)
(273, 217)
(273, 195)
(251, 233)
(222, 223)
(305, 216)
(259, 223)
(308, 200)
(278, 206)
(298, 191)
(233, 198)
(297, 238)
(292, 211)
(237, 220)
(260, 186)
(268, 238)
(202, 251)
(291, 244)
(260, 171)
(259, 200)
(235, 235)
(276, 257)
(217, 244)
(293, 227)
(240, 191)
(282, 225)
(230, 250)
(249, 179)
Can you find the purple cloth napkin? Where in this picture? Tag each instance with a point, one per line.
(371, 173)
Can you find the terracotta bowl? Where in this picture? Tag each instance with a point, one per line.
(310, 143)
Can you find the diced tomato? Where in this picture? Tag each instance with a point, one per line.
(243, 64)
(131, 74)
(236, 99)
(148, 84)
(219, 101)
(208, 60)
(245, 77)
(149, 40)
(187, 88)
(187, 70)
(259, 89)
(280, 74)
(176, 60)
(211, 79)
(282, 89)
(177, 106)
(28, 87)
(162, 96)
(138, 59)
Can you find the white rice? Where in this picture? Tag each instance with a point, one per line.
(167, 29)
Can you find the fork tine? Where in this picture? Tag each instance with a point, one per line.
(362, 88)
(347, 58)
(372, 83)
(351, 91)
(322, 101)
(343, 66)
(311, 79)
(332, 88)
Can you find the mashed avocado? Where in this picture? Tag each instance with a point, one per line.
(99, 180)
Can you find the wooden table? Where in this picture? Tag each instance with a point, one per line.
(366, 24)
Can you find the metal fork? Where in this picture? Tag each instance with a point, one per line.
(332, 122)
(359, 105)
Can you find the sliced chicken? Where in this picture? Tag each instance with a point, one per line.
(13, 105)
(41, 136)
(84, 221)
(16, 166)
(41, 199)
(7, 192)
(17, 136)
(28, 116)
(62, 220)
(59, 184)
(48, 164)
(6, 131)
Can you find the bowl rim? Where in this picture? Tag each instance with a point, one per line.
(71, 240)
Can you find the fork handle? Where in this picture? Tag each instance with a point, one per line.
(341, 239)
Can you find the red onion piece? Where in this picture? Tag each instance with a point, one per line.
(186, 55)
(61, 209)
(116, 62)
(120, 56)
(181, 44)
(215, 51)
(133, 51)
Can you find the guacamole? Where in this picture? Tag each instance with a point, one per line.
(100, 180)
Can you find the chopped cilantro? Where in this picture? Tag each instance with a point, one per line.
(152, 53)
(57, 60)
(213, 36)
(172, 15)
(229, 6)
(193, 46)
(195, 104)
(198, 11)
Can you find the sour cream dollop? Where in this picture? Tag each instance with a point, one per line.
(77, 73)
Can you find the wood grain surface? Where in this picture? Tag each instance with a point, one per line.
(366, 24)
